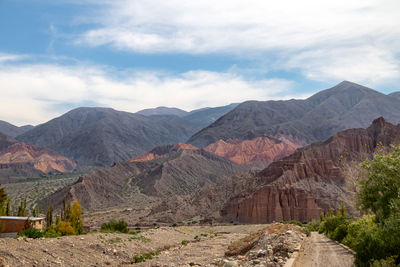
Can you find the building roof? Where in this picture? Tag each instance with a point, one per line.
(21, 218)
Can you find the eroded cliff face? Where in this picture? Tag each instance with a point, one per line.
(259, 151)
(21, 155)
(311, 180)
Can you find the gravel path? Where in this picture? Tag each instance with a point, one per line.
(319, 250)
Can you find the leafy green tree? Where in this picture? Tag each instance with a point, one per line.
(382, 187)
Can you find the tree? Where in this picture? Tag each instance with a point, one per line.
(3, 195)
(381, 188)
(66, 213)
(76, 217)
(3, 198)
(8, 208)
(35, 211)
(22, 209)
(49, 217)
(343, 209)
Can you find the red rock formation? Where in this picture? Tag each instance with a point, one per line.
(258, 150)
(311, 180)
(163, 150)
(43, 160)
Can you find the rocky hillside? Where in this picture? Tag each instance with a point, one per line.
(19, 160)
(159, 185)
(258, 152)
(102, 136)
(12, 130)
(347, 105)
(311, 180)
(395, 94)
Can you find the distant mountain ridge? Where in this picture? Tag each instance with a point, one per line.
(12, 130)
(102, 136)
(346, 105)
(163, 111)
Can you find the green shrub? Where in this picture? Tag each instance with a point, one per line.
(340, 232)
(115, 226)
(143, 257)
(52, 233)
(32, 233)
(184, 242)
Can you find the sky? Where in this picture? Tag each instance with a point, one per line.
(136, 54)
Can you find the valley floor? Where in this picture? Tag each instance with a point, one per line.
(251, 245)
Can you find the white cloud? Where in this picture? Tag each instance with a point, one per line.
(315, 29)
(366, 65)
(35, 93)
(10, 57)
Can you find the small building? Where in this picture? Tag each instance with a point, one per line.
(14, 224)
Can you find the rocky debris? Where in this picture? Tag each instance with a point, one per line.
(273, 246)
(311, 180)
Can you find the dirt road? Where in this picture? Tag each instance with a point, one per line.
(319, 250)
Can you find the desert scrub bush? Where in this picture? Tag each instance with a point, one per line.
(144, 256)
(115, 226)
(32, 233)
(184, 242)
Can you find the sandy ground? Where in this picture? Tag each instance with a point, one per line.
(318, 250)
(102, 249)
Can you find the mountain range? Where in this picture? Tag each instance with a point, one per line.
(102, 136)
(179, 182)
(346, 105)
(254, 133)
(199, 118)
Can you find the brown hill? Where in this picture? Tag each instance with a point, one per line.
(260, 151)
(20, 160)
(159, 185)
(311, 180)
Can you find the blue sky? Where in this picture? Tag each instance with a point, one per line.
(130, 55)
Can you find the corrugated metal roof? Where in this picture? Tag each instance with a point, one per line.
(21, 218)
